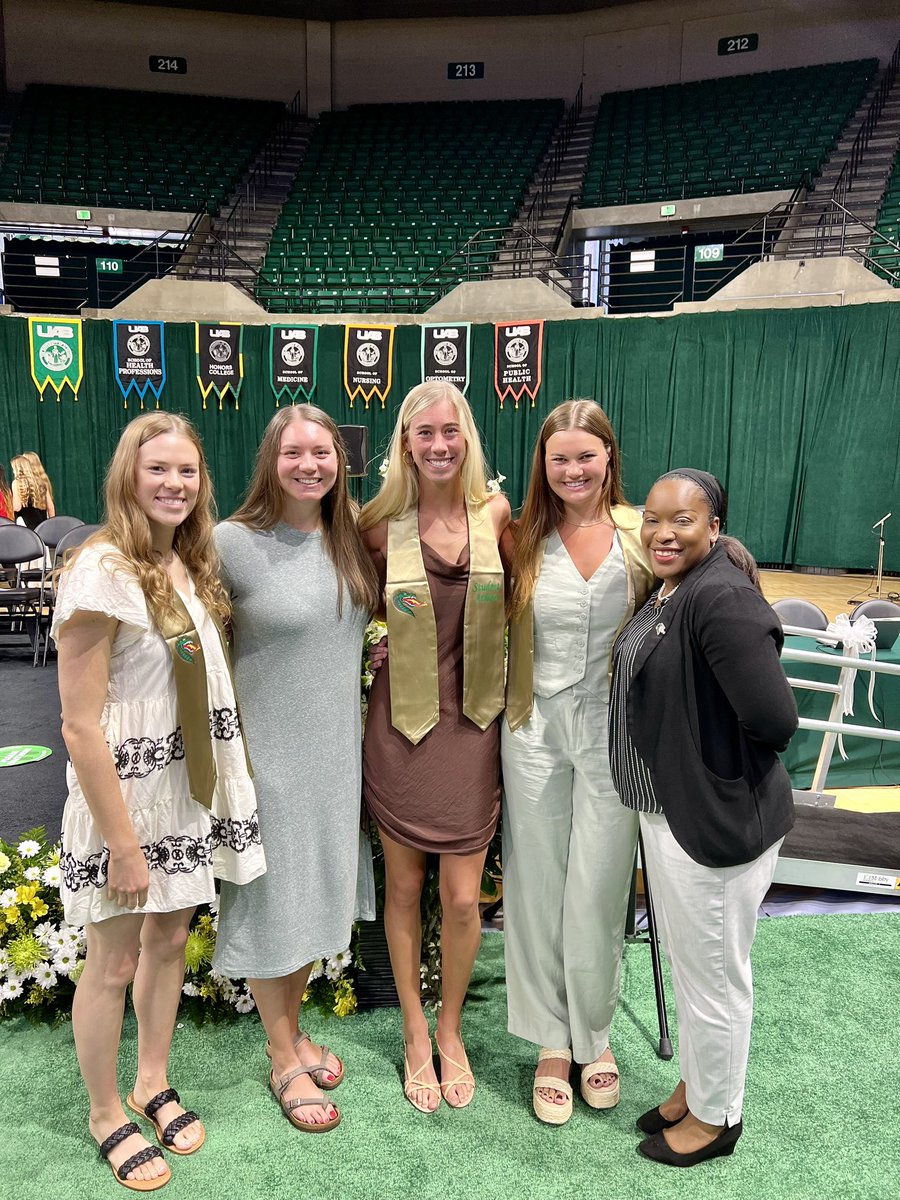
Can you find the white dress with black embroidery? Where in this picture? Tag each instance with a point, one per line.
(185, 844)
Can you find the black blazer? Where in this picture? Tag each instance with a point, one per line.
(708, 708)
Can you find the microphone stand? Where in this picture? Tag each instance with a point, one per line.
(879, 525)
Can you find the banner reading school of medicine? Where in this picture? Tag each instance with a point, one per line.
(368, 361)
(518, 349)
(293, 352)
(445, 354)
(220, 363)
(139, 355)
(55, 351)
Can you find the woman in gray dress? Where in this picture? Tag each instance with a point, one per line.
(302, 588)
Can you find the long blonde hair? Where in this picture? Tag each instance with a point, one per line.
(33, 482)
(543, 509)
(399, 491)
(127, 527)
(263, 505)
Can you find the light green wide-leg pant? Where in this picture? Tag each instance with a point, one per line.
(568, 855)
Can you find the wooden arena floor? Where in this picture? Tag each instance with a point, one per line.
(832, 593)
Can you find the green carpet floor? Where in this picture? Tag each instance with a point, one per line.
(821, 1114)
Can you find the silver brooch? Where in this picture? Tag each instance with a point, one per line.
(660, 629)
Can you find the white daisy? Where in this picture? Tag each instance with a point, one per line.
(244, 1004)
(332, 970)
(344, 959)
(10, 990)
(190, 989)
(43, 931)
(65, 962)
(316, 970)
(32, 874)
(52, 877)
(45, 976)
(59, 938)
(8, 898)
(28, 849)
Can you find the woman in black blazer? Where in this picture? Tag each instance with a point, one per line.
(699, 708)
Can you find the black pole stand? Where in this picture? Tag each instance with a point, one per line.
(664, 1050)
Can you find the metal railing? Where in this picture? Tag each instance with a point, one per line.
(558, 150)
(850, 169)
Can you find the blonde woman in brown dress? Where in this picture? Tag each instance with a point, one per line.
(431, 762)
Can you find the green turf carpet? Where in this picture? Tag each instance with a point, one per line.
(820, 1118)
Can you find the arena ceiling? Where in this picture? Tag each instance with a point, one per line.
(374, 10)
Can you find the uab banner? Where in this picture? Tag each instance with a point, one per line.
(220, 363)
(445, 354)
(55, 351)
(139, 354)
(368, 361)
(517, 359)
(293, 350)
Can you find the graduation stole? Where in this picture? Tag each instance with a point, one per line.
(412, 631)
(189, 673)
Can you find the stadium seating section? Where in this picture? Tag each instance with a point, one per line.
(127, 149)
(748, 133)
(888, 224)
(387, 192)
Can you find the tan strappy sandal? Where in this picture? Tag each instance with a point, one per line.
(412, 1083)
(465, 1076)
(546, 1110)
(288, 1107)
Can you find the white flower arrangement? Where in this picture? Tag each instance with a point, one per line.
(495, 486)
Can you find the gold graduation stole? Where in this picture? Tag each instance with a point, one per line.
(189, 672)
(412, 630)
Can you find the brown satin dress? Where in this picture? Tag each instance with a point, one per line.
(442, 795)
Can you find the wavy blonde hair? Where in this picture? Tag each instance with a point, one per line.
(33, 481)
(127, 527)
(543, 509)
(263, 505)
(399, 491)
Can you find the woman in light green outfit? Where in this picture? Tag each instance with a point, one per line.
(579, 572)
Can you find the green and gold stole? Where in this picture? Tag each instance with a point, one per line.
(189, 672)
(412, 630)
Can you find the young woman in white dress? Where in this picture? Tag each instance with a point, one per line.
(160, 796)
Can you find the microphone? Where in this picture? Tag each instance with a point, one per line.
(882, 521)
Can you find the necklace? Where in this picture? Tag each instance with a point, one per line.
(661, 595)
(587, 524)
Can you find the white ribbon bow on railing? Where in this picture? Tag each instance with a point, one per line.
(857, 637)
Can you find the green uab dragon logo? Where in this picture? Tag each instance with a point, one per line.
(187, 648)
(406, 602)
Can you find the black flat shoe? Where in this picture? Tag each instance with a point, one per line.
(654, 1122)
(659, 1150)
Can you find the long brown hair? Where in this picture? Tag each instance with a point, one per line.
(543, 509)
(127, 527)
(33, 482)
(263, 505)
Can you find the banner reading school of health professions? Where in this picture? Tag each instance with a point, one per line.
(293, 351)
(445, 354)
(517, 359)
(368, 361)
(220, 363)
(139, 355)
(55, 353)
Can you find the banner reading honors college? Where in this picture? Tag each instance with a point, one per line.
(518, 350)
(445, 354)
(55, 353)
(139, 355)
(368, 361)
(293, 354)
(220, 362)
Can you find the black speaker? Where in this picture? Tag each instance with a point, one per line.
(356, 439)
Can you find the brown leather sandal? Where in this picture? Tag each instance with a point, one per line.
(166, 1137)
(325, 1084)
(136, 1160)
(279, 1087)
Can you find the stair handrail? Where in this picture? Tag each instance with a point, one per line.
(850, 169)
(555, 156)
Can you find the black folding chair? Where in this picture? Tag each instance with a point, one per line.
(21, 604)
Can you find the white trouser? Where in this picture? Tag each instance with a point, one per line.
(706, 917)
(568, 854)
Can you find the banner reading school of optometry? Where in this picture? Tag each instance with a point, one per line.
(368, 361)
(518, 350)
(445, 354)
(55, 353)
(139, 356)
(220, 362)
(293, 355)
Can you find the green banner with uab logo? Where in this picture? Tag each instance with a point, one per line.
(55, 352)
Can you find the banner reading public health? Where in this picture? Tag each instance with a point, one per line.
(139, 355)
(293, 353)
(55, 352)
(368, 361)
(220, 362)
(518, 347)
(445, 354)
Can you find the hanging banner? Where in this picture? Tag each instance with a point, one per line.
(445, 354)
(368, 361)
(55, 351)
(220, 363)
(518, 349)
(293, 351)
(139, 355)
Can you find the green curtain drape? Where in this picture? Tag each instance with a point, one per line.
(797, 411)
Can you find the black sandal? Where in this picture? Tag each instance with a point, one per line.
(166, 1137)
(137, 1160)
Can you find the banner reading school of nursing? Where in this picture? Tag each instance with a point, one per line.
(518, 347)
(368, 361)
(139, 356)
(445, 354)
(220, 362)
(55, 352)
(293, 352)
